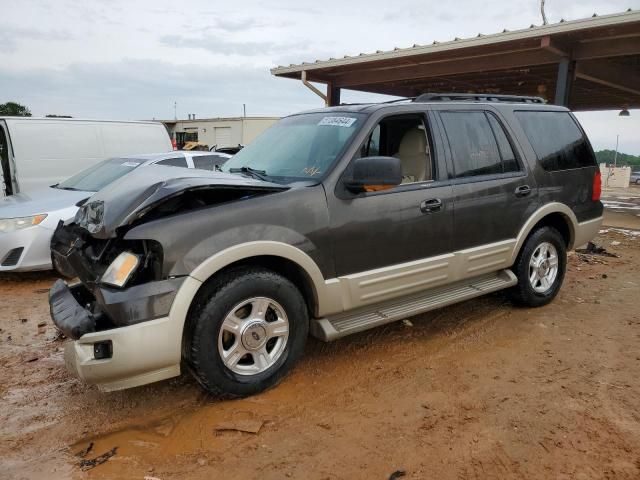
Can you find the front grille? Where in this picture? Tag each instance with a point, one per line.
(12, 257)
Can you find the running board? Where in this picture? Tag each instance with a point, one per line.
(344, 324)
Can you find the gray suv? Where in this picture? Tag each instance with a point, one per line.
(332, 222)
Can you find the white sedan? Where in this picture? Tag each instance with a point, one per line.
(27, 221)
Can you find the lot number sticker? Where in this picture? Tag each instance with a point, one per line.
(338, 121)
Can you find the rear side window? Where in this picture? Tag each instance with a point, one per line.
(479, 144)
(174, 162)
(208, 162)
(557, 140)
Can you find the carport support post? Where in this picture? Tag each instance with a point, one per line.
(333, 95)
(563, 83)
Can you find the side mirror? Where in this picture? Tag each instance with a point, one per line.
(371, 174)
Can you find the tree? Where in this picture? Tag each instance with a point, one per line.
(13, 109)
(622, 159)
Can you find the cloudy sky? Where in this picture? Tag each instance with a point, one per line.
(131, 59)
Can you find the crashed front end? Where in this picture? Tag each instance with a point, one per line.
(122, 313)
(118, 314)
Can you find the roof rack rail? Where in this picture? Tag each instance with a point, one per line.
(395, 100)
(477, 97)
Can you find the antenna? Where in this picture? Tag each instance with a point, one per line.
(544, 16)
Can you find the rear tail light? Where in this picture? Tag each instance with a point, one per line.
(597, 186)
(174, 144)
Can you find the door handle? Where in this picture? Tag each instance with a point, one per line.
(523, 191)
(431, 205)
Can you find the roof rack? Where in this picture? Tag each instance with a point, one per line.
(476, 97)
(395, 100)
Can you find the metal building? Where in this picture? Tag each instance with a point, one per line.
(218, 132)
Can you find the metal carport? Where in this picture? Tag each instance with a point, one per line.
(587, 64)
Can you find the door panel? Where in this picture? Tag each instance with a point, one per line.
(490, 211)
(392, 243)
(492, 192)
(381, 241)
(380, 230)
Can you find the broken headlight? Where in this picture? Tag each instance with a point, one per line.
(90, 216)
(121, 269)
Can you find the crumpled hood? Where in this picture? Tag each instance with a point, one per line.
(130, 197)
(46, 200)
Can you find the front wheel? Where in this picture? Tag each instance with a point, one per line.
(540, 268)
(250, 329)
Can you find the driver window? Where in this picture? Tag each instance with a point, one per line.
(404, 137)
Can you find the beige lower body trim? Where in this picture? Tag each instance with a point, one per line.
(585, 231)
(382, 284)
(386, 283)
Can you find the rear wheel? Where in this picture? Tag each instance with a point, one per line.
(249, 330)
(540, 268)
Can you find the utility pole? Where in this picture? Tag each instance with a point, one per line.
(544, 17)
(615, 155)
(175, 110)
(244, 116)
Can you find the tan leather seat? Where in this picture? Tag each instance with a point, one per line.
(414, 156)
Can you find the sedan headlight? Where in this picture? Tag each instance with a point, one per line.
(12, 224)
(121, 269)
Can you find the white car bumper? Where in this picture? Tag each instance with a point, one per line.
(26, 249)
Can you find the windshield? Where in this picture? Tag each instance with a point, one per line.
(298, 147)
(100, 175)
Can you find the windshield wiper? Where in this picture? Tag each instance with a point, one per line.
(67, 188)
(252, 172)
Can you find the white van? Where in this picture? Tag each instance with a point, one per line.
(37, 152)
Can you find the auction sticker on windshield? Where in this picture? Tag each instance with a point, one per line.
(338, 121)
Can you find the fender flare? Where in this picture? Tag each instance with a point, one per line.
(548, 209)
(243, 251)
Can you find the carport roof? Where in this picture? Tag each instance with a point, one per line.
(601, 56)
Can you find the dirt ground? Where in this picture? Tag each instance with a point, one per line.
(477, 390)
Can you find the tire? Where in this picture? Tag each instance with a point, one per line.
(534, 288)
(230, 320)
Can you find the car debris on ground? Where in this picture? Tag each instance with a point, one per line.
(99, 460)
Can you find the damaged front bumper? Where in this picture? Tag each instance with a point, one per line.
(77, 311)
(122, 338)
